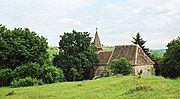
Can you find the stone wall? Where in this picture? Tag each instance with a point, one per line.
(144, 70)
(99, 70)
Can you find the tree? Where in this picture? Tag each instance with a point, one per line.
(170, 66)
(138, 40)
(157, 59)
(121, 66)
(20, 46)
(76, 56)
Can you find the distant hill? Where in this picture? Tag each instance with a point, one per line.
(116, 87)
(160, 52)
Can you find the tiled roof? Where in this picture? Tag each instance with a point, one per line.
(133, 53)
(104, 57)
(127, 51)
(97, 41)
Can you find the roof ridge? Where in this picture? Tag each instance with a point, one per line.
(136, 55)
(112, 52)
(145, 54)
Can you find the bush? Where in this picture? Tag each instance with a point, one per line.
(47, 73)
(29, 69)
(6, 77)
(28, 81)
(121, 66)
(51, 74)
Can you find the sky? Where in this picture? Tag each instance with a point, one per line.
(158, 21)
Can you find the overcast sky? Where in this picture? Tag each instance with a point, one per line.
(158, 21)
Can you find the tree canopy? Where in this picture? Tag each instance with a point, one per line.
(76, 56)
(171, 60)
(19, 46)
(139, 40)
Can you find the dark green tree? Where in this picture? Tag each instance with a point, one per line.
(20, 46)
(76, 56)
(138, 40)
(157, 59)
(121, 66)
(170, 66)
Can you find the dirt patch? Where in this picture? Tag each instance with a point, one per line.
(141, 88)
(10, 93)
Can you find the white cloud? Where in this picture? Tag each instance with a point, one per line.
(116, 20)
(69, 21)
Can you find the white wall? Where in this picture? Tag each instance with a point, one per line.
(147, 70)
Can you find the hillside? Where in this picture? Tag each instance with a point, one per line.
(110, 87)
(159, 52)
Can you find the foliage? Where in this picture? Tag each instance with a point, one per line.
(29, 69)
(20, 46)
(138, 40)
(120, 87)
(28, 81)
(171, 62)
(51, 74)
(75, 42)
(121, 66)
(158, 60)
(76, 56)
(106, 73)
(47, 73)
(6, 77)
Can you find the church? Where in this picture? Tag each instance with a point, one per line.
(142, 64)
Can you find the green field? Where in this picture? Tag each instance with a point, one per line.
(103, 88)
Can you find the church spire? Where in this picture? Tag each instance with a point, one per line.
(97, 42)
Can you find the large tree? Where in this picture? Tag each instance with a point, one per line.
(19, 46)
(171, 62)
(77, 56)
(139, 40)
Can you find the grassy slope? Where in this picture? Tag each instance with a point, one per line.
(110, 87)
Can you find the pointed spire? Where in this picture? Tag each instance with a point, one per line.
(97, 41)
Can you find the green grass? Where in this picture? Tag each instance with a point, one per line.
(103, 88)
(108, 48)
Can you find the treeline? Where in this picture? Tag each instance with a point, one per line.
(24, 60)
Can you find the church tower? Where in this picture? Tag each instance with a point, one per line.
(97, 42)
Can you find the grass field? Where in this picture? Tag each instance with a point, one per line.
(103, 88)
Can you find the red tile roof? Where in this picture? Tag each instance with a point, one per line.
(104, 57)
(133, 53)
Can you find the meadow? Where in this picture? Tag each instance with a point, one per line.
(103, 88)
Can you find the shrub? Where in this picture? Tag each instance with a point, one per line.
(47, 73)
(28, 81)
(6, 77)
(51, 74)
(121, 66)
(29, 69)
